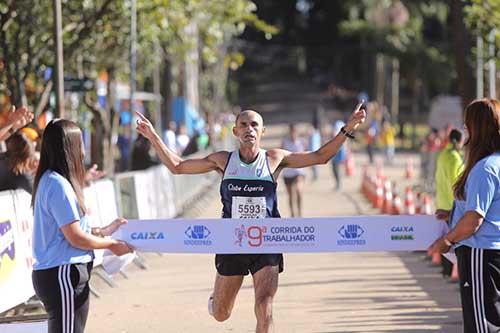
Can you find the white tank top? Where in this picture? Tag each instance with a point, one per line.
(293, 146)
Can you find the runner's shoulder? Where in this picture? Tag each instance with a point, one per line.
(277, 154)
(219, 157)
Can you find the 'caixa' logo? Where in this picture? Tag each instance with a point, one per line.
(147, 235)
(6, 240)
(351, 235)
(197, 235)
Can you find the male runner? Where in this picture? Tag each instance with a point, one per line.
(254, 167)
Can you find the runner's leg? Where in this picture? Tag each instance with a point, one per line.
(289, 191)
(225, 290)
(265, 283)
(298, 194)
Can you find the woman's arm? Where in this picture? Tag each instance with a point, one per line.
(81, 240)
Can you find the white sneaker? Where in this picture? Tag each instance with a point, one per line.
(211, 305)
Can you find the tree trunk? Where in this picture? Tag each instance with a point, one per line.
(111, 122)
(461, 47)
(166, 91)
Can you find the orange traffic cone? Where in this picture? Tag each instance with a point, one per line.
(387, 207)
(418, 203)
(396, 206)
(409, 202)
(379, 194)
(427, 209)
(364, 182)
(409, 169)
(380, 171)
(349, 165)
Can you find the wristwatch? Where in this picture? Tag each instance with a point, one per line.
(350, 135)
(448, 242)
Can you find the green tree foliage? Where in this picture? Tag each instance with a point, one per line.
(483, 16)
(412, 31)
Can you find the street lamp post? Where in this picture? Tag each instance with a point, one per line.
(133, 54)
(59, 68)
(492, 71)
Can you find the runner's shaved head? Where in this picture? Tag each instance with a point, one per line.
(248, 113)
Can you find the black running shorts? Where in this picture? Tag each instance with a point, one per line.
(241, 264)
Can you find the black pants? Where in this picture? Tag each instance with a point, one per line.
(64, 291)
(479, 272)
(336, 174)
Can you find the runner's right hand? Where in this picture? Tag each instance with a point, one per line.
(144, 126)
(120, 248)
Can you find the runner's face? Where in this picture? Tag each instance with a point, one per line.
(249, 128)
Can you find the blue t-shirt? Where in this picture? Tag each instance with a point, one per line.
(482, 195)
(56, 205)
(341, 153)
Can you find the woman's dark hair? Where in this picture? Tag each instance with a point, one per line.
(455, 136)
(482, 121)
(19, 151)
(62, 152)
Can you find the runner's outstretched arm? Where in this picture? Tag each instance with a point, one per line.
(326, 152)
(174, 162)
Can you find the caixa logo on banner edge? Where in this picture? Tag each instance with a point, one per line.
(274, 236)
(147, 235)
(197, 235)
(351, 235)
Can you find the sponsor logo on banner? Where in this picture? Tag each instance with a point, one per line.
(147, 235)
(7, 250)
(274, 236)
(197, 235)
(7, 240)
(402, 233)
(352, 234)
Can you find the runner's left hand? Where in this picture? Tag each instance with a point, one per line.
(358, 117)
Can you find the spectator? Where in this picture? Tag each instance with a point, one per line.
(294, 178)
(192, 146)
(339, 158)
(182, 139)
(449, 165)
(17, 164)
(123, 144)
(169, 137)
(63, 241)
(315, 144)
(429, 150)
(475, 219)
(141, 154)
(387, 138)
(372, 131)
(16, 119)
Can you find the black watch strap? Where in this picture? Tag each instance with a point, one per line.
(350, 135)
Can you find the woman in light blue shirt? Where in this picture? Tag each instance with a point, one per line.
(62, 239)
(475, 232)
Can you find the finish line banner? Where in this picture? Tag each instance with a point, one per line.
(281, 235)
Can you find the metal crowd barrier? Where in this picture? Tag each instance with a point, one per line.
(147, 194)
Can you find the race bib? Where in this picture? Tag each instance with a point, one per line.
(248, 208)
